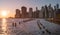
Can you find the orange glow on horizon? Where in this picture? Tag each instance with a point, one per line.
(4, 13)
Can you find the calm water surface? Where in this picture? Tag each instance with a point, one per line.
(6, 27)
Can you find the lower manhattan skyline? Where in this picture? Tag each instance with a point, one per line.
(29, 17)
(11, 5)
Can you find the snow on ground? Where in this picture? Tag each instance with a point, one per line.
(31, 27)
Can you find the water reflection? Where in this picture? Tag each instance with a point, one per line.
(4, 27)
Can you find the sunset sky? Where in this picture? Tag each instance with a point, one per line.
(11, 5)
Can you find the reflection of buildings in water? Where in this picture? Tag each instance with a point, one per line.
(4, 25)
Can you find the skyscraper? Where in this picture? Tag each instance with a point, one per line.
(57, 6)
(46, 12)
(24, 12)
(42, 12)
(17, 15)
(30, 12)
(50, 11)
(36, 13)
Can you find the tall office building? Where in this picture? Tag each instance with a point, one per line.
(41, 13)
(46, 12)
(30, 12)
(57, 6)
(36, 13)
(17, 15)
(51, 12)
(24, 12)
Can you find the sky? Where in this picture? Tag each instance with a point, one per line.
(12, 5)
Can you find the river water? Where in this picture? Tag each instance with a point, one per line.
(27, 27)
(7, 28)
